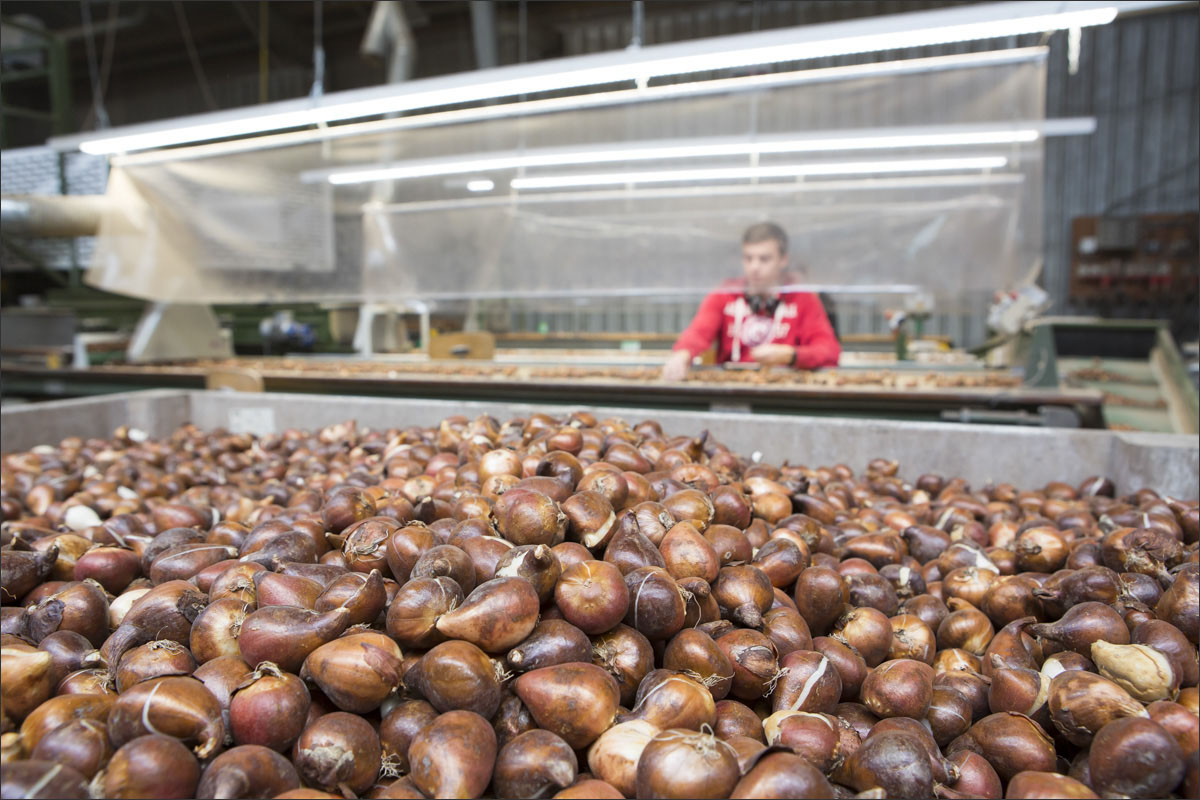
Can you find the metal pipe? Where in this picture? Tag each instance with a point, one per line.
(389, 36)
(52, 215)
(483, 29)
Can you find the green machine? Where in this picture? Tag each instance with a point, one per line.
(1134, 363)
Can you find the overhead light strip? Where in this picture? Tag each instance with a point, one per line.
(890, 32)
(844, 141)
(594, 100)
(930, 181)
(750, 173)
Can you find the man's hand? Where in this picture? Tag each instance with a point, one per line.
(676, 368)
(774, 354)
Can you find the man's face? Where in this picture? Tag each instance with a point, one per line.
(764, 264)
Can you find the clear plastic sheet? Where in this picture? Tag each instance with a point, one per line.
(268, 225)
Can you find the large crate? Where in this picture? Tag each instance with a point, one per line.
(1027, 457)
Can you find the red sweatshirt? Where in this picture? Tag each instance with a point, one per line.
(725, 318)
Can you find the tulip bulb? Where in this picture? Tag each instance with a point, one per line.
(614, 756)
(1081, 703)
(1140, 670)
(356, 671)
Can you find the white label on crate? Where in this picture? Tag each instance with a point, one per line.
(256, 420)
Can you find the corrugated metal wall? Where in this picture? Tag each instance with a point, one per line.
(1140, 78)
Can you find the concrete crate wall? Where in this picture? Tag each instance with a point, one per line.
(1027, 457)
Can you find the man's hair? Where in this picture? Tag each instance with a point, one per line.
(766, 231)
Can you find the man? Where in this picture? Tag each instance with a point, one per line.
(750, 320)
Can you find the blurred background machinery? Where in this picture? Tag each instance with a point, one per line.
(1103, 206)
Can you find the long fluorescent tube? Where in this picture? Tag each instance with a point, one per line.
(889, 32)
(741, 173)
(669, 192)
(551, 105)
(845, 140)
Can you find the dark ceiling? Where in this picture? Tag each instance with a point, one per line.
(163, 58)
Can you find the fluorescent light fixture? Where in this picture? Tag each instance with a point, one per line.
(890, 32)
(683, 190)
(711, 148)
(576, 102)
(481, 185)
(751, 173)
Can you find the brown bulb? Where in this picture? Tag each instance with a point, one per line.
(627, 655)
(868, 631)
(553, 641)
(668, 699)
(1010, 742)
(966, 627)
(737, 719)
(949, 715)
(900, 688)
(809, 682)
(533, 764)
(680, 763)
(912, 638)
(357, 671)
(576, 701)
(693, 652)
(781, 774)
(755, 662)
(495, 616)
(1155, 772)
(1082, 703)
(815, 737)
(338, 750)
(248, 771)
(456, 675)
(744, 594)
(892, 762)
(1084, 624)
(182, 707)
(820, 595)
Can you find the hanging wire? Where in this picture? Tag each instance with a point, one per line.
(264, 51)
(193, 56)
(89, 42)
(110, 42)
(636, 37)
(106, 60)
(318, 87)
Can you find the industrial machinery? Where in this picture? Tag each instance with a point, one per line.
(1135, 364)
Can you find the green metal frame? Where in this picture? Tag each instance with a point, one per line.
(1045, 367)
(1177, 373)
